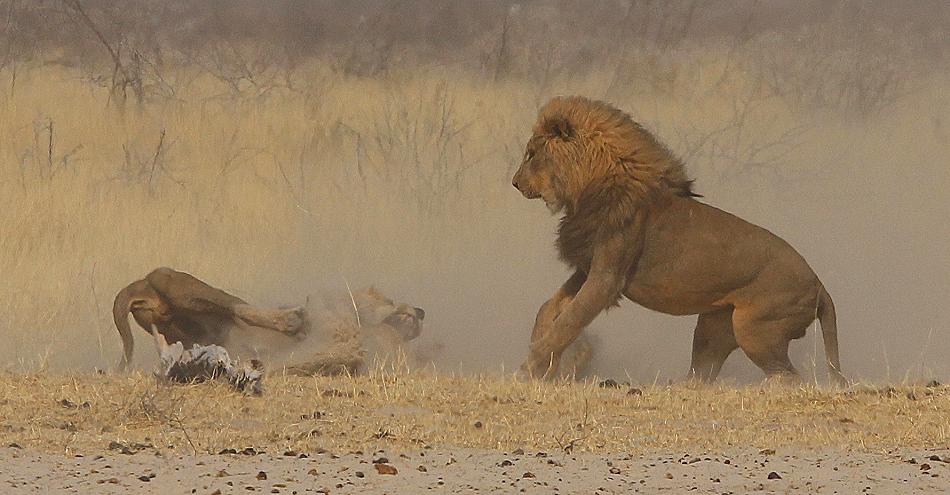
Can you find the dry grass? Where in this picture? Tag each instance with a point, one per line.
(83, 413)
(402, 179)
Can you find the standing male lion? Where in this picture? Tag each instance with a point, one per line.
(631, 226)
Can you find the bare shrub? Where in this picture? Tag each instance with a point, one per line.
(135, 57)
(418, 144)
(853, 72)
(147, 167)
(252, 71)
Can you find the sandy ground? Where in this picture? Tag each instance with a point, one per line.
(431, 433)
(479, 471)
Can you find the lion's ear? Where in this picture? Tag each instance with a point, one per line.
(559, 127)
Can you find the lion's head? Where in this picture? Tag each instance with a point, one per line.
(375, 308)
(577, 142)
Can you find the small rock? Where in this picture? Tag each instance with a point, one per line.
(925, 467)
(505, 463)
(767, 451)
(478, 424)
(422, 469)
(15, 445)
(145, 478)
(518, 452)
(313, 472)
(381, 460)
(774, 476)
(614, 470)
(528, 475)
(261, 476)
(216, 492)
(385, 469)
(937, 458)
(113, 445)
(634, 391)
(359, 474)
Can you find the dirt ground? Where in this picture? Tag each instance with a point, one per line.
(435, 433)
(460, 470)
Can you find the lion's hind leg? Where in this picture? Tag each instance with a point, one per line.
(184, 291)
(713, 342)
(290, 321)
(765, 337)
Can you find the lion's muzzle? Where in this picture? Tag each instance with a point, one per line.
(523, 188)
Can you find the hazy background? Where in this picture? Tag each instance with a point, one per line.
(277, 148)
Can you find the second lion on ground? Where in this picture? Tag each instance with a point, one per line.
(345, 334)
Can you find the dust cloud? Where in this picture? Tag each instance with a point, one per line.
(281, 151)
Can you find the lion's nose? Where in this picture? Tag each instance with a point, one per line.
(514, 182)
(420, 313)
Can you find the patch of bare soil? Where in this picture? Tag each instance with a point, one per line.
(734, 471)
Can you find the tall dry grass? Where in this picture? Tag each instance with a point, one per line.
(276, 184)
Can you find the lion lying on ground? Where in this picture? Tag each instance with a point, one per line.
(631, 227)
(182, 308)
(361, 330)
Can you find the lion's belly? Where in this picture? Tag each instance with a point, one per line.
(670, 299)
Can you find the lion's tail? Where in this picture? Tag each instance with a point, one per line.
(829, 334)
(120, 314)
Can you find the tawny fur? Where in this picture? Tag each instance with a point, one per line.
(376, 332)
(182, 308)
(185, 309)
(631, 227)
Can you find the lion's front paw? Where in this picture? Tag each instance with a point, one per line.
(533, 369)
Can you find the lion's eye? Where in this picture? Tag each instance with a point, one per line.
(528, 155)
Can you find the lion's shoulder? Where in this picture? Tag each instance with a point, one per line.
(606, 206)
